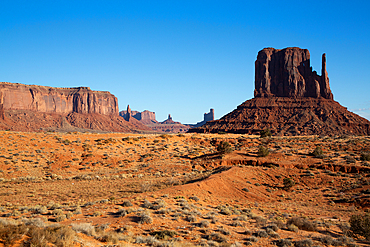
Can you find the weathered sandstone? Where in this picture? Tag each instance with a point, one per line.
(290, 99)
(15, 96)
(288, 73)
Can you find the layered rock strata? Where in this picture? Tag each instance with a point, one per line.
(15, 96)
(290, 99)
(40, 108)
(288, 73)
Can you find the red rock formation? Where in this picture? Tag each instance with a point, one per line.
(39, 108)
(207, 117)
(145, 117)
(15, 96)
(290, 99)
(287, 73)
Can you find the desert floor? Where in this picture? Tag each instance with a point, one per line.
(85, 189)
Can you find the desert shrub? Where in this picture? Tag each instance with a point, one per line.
(261, 234)
(126, 203)
(216, 237)
(145, 186)
(60, 218)
(145, 218)
(204, 224)
(97, 214)
(224, 147)
(236, 223)
(147, 204)
(272, 233)
(292, 228)
(54, 235)
(288, 183)
(303, 243)
(34, 222)
(163, 235)
(284, 243)
(69, 215)
(302, 224)
(194, 198)
(365, 156)
(360, 225)
(121, 212)
(110, 237)
(273, 226)
(11, 233)
(265, 133)
(78, 210)
(252, 239)
(318, 153)
(191, 218)
(57, 212)
(149, 240)
(263, 151)
(85, 228)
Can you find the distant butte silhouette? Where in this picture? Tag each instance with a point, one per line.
(289, 99)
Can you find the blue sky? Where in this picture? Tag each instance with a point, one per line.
(181, 57)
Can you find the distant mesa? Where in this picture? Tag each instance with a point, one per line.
(40, 108)
(289, 99)
(148, 118)
(210, 116)
(145, 117)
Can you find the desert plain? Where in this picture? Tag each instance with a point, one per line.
(114, 189)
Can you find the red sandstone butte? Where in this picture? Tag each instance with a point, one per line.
(289, 99)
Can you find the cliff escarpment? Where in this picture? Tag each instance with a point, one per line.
(40, 108)
(15, 96)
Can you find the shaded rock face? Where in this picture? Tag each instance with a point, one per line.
(287, 73)
(290, 99)
(15, 96)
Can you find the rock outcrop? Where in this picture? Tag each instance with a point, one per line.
(288, 73)
(290, 99)
(148, 119)
(40, 108)
(15, 96)
(145, 117)
(210, 116)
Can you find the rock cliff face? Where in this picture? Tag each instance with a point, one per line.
(290, 99)
(287, 73)
(15, 96)
(39, 108)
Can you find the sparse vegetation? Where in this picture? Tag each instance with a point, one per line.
(224, 147)
(263, 151)
(360, 225)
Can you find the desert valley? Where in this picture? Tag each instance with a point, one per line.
(290, 167)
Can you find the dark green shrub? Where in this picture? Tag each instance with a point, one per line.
(263, 151)
(288, 183)
(265, 133)
(318, 153)
(224, 147)
(360, 225)
(302, 224)
(365, 156)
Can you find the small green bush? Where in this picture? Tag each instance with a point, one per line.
(318, 153)
(224, 147)
(288, 183)
(365, 156)
(263, 151)
(265, 133)
(360, 225)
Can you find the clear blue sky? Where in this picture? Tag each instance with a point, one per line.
(181, 57)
